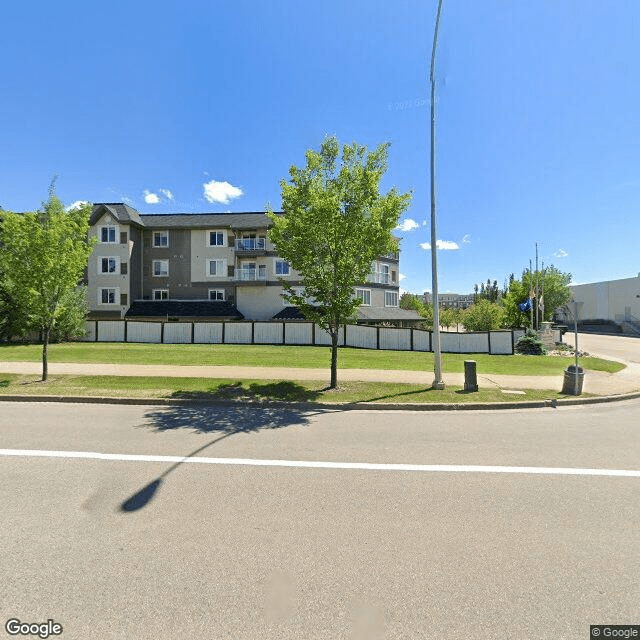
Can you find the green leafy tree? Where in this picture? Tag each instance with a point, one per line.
(43, 256)
(483, 316)
(447, 317)
(335, 222)
(553, 287)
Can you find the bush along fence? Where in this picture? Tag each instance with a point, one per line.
(299, 333)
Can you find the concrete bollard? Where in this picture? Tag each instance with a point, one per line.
(470, 377)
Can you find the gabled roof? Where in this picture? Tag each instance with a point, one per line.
(120, 211)
(183, 309)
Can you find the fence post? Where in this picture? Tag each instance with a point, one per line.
(193, 332)
(125, 331)
(411, 339)
(253, 329)
(489, 340)
(284, 332)
(161, 332)
(96, 331)
(378, 338)
(223, 336)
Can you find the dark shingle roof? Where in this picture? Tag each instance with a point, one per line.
(206, 220)
(120, 211)
(183, 309)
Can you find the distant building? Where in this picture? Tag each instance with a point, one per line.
(613, 300)
(450, 300)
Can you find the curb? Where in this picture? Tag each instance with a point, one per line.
(359, 406)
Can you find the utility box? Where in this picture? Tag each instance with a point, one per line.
(470, 376)
(573, 379)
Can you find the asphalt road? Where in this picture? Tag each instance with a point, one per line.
(165, 548)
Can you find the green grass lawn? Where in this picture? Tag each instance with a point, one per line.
(291, 356)
(251, 390)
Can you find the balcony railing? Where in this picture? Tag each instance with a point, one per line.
(246, 275)
(380, 278)
(251, 244)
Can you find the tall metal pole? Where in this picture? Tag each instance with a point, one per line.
(438, 382)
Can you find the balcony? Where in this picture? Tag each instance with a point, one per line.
(380, 278)
(251, 244)
(251, 275)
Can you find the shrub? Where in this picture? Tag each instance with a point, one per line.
(530, 344)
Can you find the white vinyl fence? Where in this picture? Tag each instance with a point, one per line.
(300, 333)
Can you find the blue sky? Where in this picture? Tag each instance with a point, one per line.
(203, 106)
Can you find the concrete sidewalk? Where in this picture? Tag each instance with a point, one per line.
(596, 382)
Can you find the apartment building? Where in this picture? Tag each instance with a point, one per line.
(206, 266)
(450, 300)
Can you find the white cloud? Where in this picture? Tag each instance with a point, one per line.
(76, 205)
(223, 192)
(150, 198)
(401, 277)
(167, 194)
(408, 225)
(443, 245)
(560, 253)
(466, 239)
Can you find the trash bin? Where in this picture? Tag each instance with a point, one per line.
(570, 386)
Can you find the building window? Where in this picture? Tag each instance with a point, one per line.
(160, 238)
(216, 294)
(365, 296)
(108, 234)
(390, 299)
(108, 296)
(216, 268)
(107, 265)
(160, 267)
(215, 238)
(160, 294)
(124, 299)
(282, 268)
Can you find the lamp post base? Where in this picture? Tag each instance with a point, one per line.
(438, 384)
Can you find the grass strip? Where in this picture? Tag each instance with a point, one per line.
(252, 390)
(293, 356)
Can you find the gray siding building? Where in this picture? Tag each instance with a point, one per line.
(214, 266)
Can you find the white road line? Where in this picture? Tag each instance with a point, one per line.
(310, 464)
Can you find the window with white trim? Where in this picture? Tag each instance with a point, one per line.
(160, 294)
(390, 299)
(160, 238)
(216, 294)
(216, 268)
(215, 238)
(107, 296)
(283, 268)
(160, 268)
(108, 264)
(108, 234)
(365, 296)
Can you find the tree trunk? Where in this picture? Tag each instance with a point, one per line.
(334, 359)
(45, 356)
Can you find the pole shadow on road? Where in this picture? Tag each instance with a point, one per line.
(225, 421)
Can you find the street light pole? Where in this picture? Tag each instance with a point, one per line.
(438, 382)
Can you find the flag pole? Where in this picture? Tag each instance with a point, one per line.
(530, 290)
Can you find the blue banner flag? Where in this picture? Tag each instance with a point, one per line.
(526, 305)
